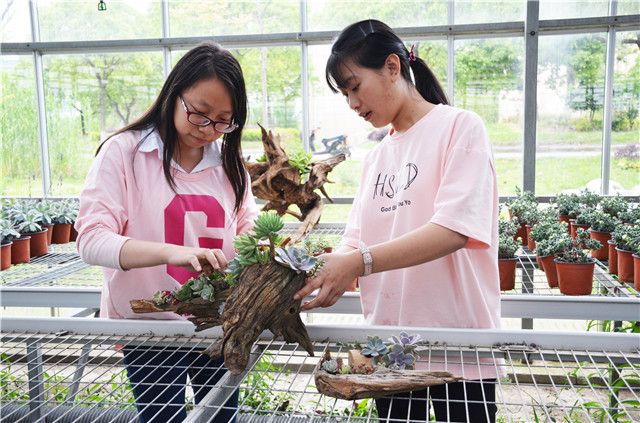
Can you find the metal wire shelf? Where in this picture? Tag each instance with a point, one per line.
(79, 376)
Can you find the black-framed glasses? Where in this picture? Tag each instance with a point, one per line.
(201, 120)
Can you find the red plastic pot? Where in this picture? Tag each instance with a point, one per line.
(507, 272)
(625, 265)
(636, 272)
(39, 243)
(531, 244)
(549, 266)
(21, 250)
(613, 257)
(601, 253)
(5, 256)
(61, 233)
(49, 233)
(575, 278)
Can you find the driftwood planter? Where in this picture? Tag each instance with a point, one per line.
(5, 256)
(262, 299)
(380, 383)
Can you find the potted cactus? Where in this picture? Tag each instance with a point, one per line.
(45, 219)
(567, 205)
(574, 265)
(626, 237)
(602, 225)
(547, 249)
(523, 202)
(7, 235)
(63, 218)
(507, 260)
(614, 206)
(30, 227)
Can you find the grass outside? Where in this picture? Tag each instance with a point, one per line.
(511, 134)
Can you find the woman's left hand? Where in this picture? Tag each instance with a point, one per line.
(333, 279)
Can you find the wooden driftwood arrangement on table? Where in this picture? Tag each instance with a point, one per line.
(377, 369)
(254, 293)
(280, 184)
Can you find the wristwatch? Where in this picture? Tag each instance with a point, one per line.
(366, 258)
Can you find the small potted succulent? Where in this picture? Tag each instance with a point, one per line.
(602, 225)
(30, 227)
(547, 249)
(523, 202)
(582, 220)
(7, 235)
(626, 237)
(589, 199)
(63, 218)
(631, 216)
(530, 218)
(45, 219)
(614, 206)
(567, 205)
(507, 260)
(574, 265)
(547, 225)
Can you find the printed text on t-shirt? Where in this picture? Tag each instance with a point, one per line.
(389, 184)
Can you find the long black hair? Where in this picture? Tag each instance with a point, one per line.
(207, 60)
(368, 44)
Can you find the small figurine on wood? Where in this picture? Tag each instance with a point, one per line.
(278, 181)
(377, 370)
(254, 293)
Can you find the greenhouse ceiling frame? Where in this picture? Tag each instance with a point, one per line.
(530, 29)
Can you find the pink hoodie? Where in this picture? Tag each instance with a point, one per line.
(126, 196)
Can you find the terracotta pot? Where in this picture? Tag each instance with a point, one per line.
(61, 233)
(39, 245)
(601, 253)
(636, 272)
(5, 256)
(625, 265)
(539, 263)
(507, 271)
(522, 234)
(49, 233)
(21, 250)
(574, 228)
(575, 278)
(73, 235)
(564, 218)
(549, 266)
(531, 244)
(613, 257)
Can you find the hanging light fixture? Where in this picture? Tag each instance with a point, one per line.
(102, 6)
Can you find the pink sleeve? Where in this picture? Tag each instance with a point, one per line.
(465, 201)
(103, 209)
(248, 211)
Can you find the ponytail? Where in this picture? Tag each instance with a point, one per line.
(426, 82)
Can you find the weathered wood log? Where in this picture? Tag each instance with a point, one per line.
(263, 299)
(380, 383)
(279, 184)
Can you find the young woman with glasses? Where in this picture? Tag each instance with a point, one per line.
(422, 232)
(163, 201)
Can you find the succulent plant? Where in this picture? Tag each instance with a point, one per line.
(196, 287)
(267, 225)
(295, 258)
(398, 358)
(405, 340)
(29, 224)
(375, 347)
(345, 369)
(330, 366)
(161, 298)
(7, 232)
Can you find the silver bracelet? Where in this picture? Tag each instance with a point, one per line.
(366, 258)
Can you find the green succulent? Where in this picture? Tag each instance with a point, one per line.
(613, 206)
(507, 246)
(626, 237)
(246, 245)
(330, 366)
(197, 287)
(577, 250)
(268, 225)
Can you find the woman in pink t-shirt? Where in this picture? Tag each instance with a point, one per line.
(162, 202)
(422, 233)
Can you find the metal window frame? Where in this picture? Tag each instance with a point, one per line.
(530, 29)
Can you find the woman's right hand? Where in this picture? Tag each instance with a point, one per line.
(196, 259)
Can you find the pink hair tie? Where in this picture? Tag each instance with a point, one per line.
(412, 55)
